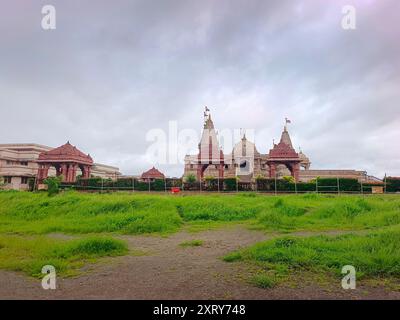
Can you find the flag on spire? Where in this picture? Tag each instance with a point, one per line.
(287, 121)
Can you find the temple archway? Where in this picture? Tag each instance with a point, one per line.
(283, 154)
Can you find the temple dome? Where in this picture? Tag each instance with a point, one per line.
(153, 173)
(245, 148)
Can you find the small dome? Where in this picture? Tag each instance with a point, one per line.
(245, 148)
(302, 156)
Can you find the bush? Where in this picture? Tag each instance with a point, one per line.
(393, 184)
(190, 178)
(158, 185)
(53, 185)
(230, 184)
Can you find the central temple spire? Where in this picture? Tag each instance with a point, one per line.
(285, 138)
(208, 123)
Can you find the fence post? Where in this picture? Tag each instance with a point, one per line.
(149, 185)
(362, 188)
(102, 184)
(295, 186)
(316, 185)
(133, 184)
(200, 184)
(165, 184)
(275, 184)
(237, 185)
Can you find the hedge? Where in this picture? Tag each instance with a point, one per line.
(325, 185)
(393, 184)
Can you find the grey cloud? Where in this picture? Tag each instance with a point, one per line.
(113, 71)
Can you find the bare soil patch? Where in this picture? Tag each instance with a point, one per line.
(167, 270)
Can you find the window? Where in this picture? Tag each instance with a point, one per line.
(24, 163)
(244, 166)
(191, 166)
(7, 180)
(24, 180)
(226, 166)
(9, 162)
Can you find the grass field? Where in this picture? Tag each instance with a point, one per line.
(27, 221)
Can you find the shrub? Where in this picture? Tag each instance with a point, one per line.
(190, 178)
(230, 184)
(53, 185)
(393, 184)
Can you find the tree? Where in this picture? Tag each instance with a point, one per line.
(53, 185)
(289, 179)
(190, 178)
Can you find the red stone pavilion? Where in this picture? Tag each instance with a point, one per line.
(283, 153)
(66, 159)
(152, 175)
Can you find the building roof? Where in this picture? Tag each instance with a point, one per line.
(285, 138)
(208, 123)
(153, 173)
(65, 153)
(24, 147)
(284, 148)
(209, 149)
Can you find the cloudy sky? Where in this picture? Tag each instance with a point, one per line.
(112, 71)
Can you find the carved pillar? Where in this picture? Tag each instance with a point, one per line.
(70, 173)
(272, 170)
(43, 172)
(296, 171)
(199, 171)
(64, 172)
(86, 172)
(40, 174)
(67, 174)
(46, 171)
(73, 174)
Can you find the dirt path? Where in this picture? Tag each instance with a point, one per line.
(169, 271)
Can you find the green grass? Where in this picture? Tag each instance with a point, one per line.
(376, 254)
(29, 255)
(192, 243)
(36, 213)
(26, 218)
(263, 281)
